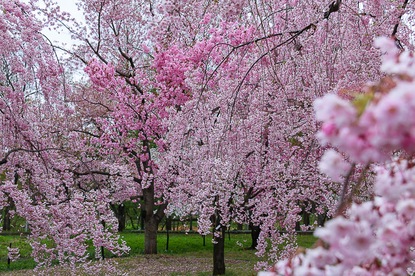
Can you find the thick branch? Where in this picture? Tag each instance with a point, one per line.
(334, 7)
(6, 156)
(160, 212)
(343, 202)
(395, 28)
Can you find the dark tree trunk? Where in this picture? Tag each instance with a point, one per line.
(297, 226)
(306, 218)
(219, 252)
(119, 211)
(150, 236)
(102, 247)
(142, 216)
(321, 218)
(121, 218)
(191, 223)
(6, 219)
(132, 223)
(255, 230)
(168, 229)
(151, 220)
(298, 223)
(151, 213)
(168, 224)
(6, 216)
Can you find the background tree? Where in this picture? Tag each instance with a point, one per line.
(59, 189)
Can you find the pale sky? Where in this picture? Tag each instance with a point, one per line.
(70, 7)
(63, 37)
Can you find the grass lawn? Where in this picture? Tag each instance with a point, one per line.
(186, 252)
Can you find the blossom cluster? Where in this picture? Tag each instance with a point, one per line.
(375, 237)
(13, 253)
(377, 122)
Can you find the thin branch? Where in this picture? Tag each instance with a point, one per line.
(343, 203)
(288, 40)
(86, 132)
(99, 25)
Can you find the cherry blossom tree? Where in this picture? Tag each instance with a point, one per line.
(243, 147)
(62, 191)
(140, 78)
(376, 236)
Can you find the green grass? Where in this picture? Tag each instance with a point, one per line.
(306, 241)
(180, 245)
(25, 261)
(184, 244)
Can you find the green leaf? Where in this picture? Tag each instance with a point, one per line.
(361, 101)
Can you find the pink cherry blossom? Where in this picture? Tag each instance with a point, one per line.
(375, 237)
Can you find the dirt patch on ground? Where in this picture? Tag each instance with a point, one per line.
(159, 265)
(164, 265)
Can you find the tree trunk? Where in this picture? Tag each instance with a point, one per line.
(121, 218)
(142, 216)
(218, 245)
(240, 227)
(306, 218)
(255, 230)
(6, 219)
(150, 236)
(6, 215)
(119, 211)
(150, 222)
(298, 223)
(168, 229)
(152, 216)
(219, 252)
(297, 226)
(152, 213)
(321, 218)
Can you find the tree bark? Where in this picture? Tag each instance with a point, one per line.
(306, 218)
(6, 219)
(240, 227)
(6, 215)
(321, 219)
(152, 213)
(168, 229)
(219, 249)
(119, 211)
(142, 216)
(150, 236)
(152, 216)
(255, 230)
(121, 218)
